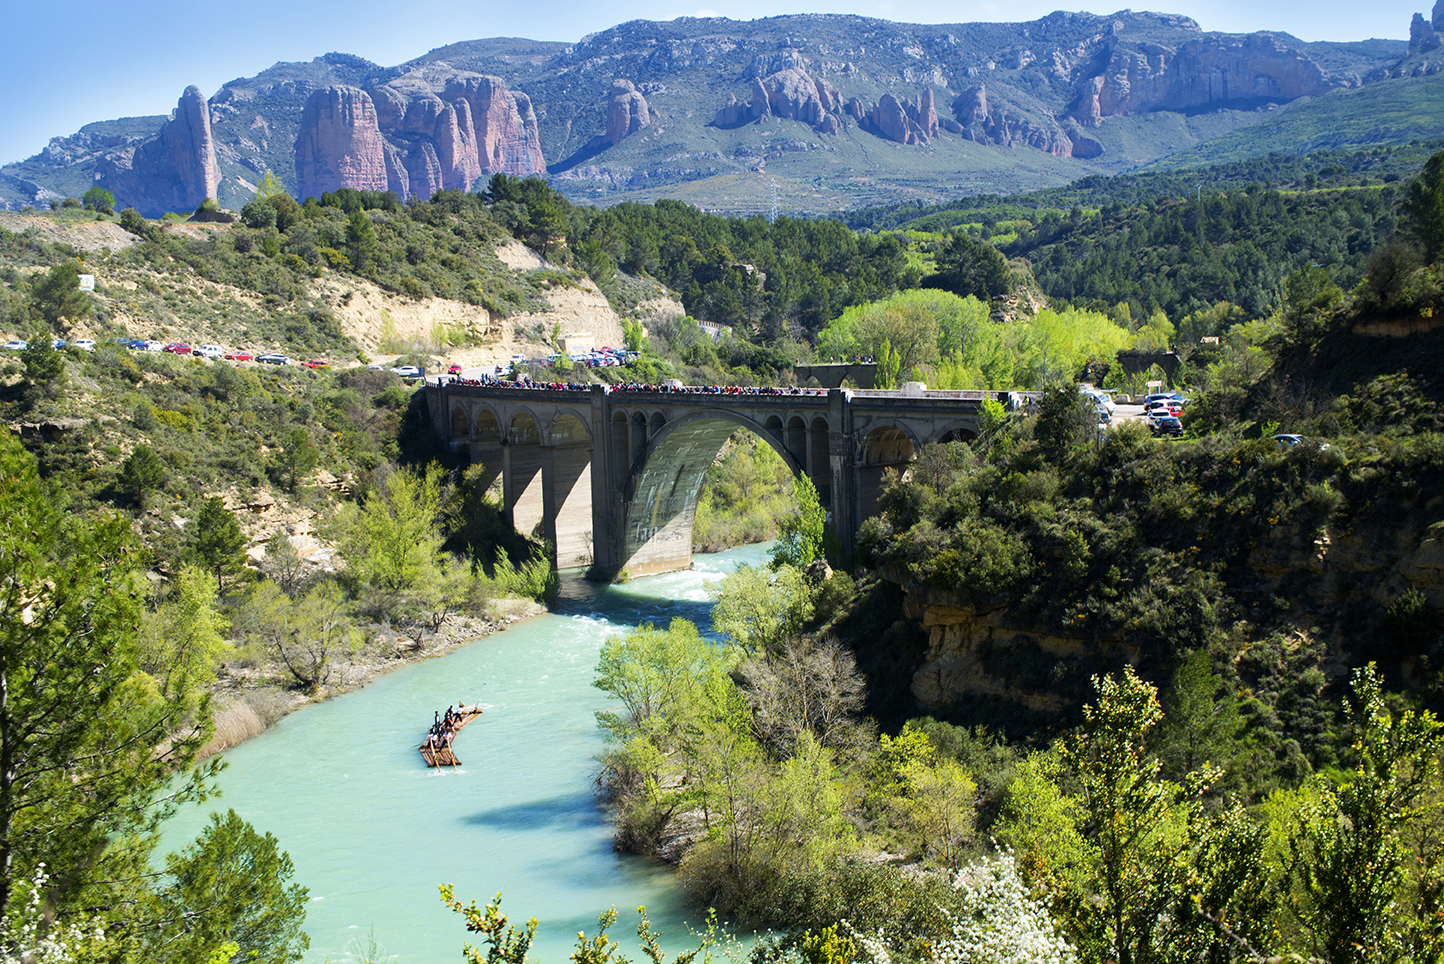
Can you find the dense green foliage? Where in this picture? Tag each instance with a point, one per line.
(99, 737)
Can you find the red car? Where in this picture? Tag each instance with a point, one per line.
(177, 348)
(316, 363)
(239, 354)
(454, 370)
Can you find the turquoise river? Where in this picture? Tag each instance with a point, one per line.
(373, 832)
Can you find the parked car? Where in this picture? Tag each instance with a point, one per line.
(1165, 424)
(208, 351)
(152, 345)
(84, 344)
(1287, 440)
(455, 369)
(58, 344)
(177, 348)
(407, 371)
(15, 344)
(273, 358)
(240, 354)
(134, 344)
(316, 363)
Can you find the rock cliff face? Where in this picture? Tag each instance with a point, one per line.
(173, 171)
(627, 112)
(984, 649)
(415, 135)
(977, 121)
(1204, 73)
(340, 144)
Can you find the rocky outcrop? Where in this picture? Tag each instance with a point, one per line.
(173, 171)
(340, 144)
(1427, 35)
(788, 93)
(415, 135)
(1211, 72)
(977, 120)
(627, 112)
(898, 119)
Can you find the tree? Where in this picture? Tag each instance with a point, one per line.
(181, 642)
(100, 199)
(889, 364)
(799, 539)
(57, 296)
(808, 685)
(1141, 827)
(298, 457)
(44, 366)
(134, 222)
(1348, 852)
(758, 608)
(361, 244)
(391, 542)
(1310, 295)
(85, 744)
(269, 185)
(1064, 418)
(217, 543)
(969, 266)
(284, 566)
(1423, 208)
(141, 472)
(231, 885)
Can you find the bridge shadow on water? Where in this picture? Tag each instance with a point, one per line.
(566, 811)
(630, 606)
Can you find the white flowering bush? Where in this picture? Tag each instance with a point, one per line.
(21, 938)
(993, 921)
(998, 922)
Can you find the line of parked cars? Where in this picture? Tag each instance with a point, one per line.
(1161, 413)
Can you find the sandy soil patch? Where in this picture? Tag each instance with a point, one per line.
(85, 235)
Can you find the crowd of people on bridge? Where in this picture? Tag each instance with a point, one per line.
(662, 389)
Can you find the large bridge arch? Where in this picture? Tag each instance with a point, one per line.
(660, 495)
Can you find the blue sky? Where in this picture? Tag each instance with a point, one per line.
(69, 62)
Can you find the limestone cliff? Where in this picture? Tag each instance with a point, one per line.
(1210, 72)
(419, 133)
(173, 171)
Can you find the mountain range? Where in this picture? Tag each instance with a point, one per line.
(807, 113)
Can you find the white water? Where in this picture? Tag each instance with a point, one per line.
(372, 831)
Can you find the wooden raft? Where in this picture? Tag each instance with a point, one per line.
(444, 756)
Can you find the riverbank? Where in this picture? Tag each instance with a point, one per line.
(248, 701)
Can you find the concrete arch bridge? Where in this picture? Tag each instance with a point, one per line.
(611, 476)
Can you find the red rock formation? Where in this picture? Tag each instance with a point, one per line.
(340, 144)
(627, 112)
(904, 121)
(789, 93)
(173, 171)
(428, 130)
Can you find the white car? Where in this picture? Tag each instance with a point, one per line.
(15, 344)
(407, 371)
(208, 351)
(84, 344)
(153, 345)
